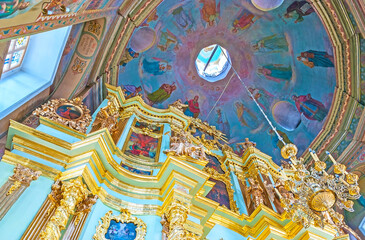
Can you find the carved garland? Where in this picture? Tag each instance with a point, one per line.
(124, 217)
(71, 113)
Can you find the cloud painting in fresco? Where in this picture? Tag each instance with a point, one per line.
(284, 56)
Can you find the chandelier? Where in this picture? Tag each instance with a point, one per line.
(310, 195)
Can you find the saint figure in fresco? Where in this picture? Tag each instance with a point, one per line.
(182, 19)
(263, 97)
(243, 21)
(210, 11)
(276, 72)
(272, 44)
(275, 139)
(167, 38)
(131, 90)
(246, 117)
(128, 56)
(11, 6)
(152, 17)
(161, 94)
(297, 10)
(309, 107)
(222, 123)
(193, 107)
(313, 59)
(157, 67)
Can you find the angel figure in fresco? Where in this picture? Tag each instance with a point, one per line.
(246, 117)
(271, 44)
(275, 140)
(313, 59)
(182, 19)
(276, 72)
(128, 56)
(297, 10)
(161, 94)
(310, 108)
(262, 97)
(167, 39)
(244, 20)
(256, 192)
(131, 91)
(210, 11)
(157, 67)
(7, 8)
(222, 123)
(152, 17)
(193, 107)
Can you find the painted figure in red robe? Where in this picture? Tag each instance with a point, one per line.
(193, 107)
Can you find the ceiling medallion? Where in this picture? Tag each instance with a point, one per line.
(213, 63)
(71, 113)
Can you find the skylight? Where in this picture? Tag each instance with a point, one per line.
(212, 64)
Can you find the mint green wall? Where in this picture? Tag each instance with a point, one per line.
(154, 227)
(218, 232)
(17, 219)
(6, 170)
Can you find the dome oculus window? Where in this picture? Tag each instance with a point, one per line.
(15, 55)
(212, 63)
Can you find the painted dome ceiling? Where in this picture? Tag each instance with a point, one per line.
(284, 56)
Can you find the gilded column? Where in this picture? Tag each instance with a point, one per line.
(15, 186)
(73, 192)
(78, 220)
(177, 214)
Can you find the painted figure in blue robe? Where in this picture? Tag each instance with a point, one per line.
(272, 44)
(309, 107)
(131, 90)
(313, 59)
(275, 139)
(297, 10)
(276, 72)
(182, 19)
(222, 123)
(157, 67)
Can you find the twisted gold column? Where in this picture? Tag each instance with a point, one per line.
(73, 192)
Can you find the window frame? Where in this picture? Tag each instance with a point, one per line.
(11, 50)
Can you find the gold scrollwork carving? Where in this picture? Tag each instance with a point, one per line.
(71, 113)
(123, 217)
(22, 176)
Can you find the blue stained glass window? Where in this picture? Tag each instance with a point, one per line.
(16, 53)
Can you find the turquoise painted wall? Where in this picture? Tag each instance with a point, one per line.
(154, 227)
(17, 219)
(6, 170)
(218, 232)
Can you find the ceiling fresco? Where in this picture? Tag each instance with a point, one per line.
(284, 57)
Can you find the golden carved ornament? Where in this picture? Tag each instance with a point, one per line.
(73, 192)
(124, 217)
(22, 176)
(322, 200)
(245, 145)
(204, 127)
(176, 215)
(179, 105)
(107, 117)
(71, 113)
(84, 207)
